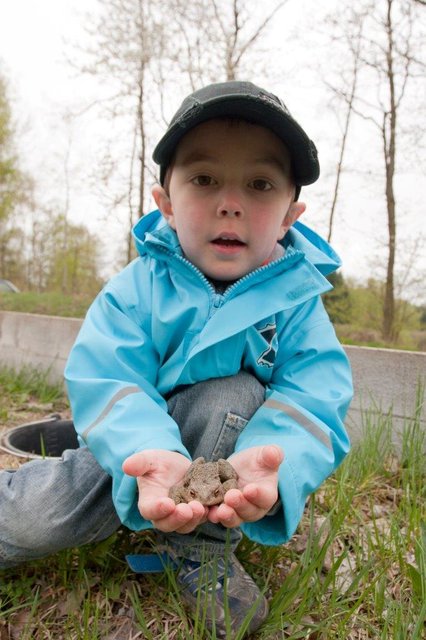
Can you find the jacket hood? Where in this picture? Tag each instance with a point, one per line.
(316, 249)
(153, 226)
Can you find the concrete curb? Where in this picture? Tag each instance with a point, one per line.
(386, 381)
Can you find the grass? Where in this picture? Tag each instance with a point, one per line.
(48, 303)
(358, 335)
(28, 390)
(355, 570)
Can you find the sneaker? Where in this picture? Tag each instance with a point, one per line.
(219, 592)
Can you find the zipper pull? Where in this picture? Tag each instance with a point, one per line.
(217, 300)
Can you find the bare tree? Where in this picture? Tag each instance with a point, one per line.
(239, 34)
(127, 40)
(388, 59)
(219, 36)
(152, 58)
(394, 69)
(353, 43)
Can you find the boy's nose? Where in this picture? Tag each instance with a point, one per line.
(230, 212)
(230, 205)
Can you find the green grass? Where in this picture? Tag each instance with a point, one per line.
(355, 570)
(28, 382)
(29, 390)
(49, 303)
(358, 335)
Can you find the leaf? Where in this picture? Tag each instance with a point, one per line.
(416, 579)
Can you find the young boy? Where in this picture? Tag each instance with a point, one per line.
(213, 342)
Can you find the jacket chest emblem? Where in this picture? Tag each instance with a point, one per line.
(269, 334)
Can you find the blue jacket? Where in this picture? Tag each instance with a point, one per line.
(159, 324)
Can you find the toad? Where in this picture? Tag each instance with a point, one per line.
(206, 482)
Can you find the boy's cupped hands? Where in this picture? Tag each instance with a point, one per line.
(157, 470)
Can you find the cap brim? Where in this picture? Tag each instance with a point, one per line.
(301, 148)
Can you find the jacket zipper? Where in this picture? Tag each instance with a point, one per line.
(217, 299)
(292, 256)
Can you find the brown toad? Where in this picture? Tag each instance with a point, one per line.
(206, 482)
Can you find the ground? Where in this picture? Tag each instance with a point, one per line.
(354, 570)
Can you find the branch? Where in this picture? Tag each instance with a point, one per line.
(346, 131)
(259, 30)
(346, 98)
(218, 18)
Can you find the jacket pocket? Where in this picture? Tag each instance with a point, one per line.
(228, 435)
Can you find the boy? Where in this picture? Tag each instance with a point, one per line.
(212, 343)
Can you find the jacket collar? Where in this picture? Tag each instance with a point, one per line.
(152, 231)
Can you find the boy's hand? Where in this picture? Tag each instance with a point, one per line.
(156, 471)
(257, 470)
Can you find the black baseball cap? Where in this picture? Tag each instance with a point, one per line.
(246, 101)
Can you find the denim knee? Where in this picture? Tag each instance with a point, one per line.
(212, 413)
(241, 394)
(49, 505)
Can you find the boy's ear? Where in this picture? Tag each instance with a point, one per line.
(294, 212)
(163, 203)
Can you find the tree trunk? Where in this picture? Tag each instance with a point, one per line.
(389, 142)
(141, 125)
(350, 103)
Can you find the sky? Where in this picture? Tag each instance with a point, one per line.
(35, 37)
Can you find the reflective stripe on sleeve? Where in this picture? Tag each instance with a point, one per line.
(126, 391)
(301, 419)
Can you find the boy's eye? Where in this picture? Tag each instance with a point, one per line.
(260, 185)
(203, 181)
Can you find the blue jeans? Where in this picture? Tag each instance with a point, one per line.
(49, 505)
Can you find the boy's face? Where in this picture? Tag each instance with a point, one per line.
(230, 197)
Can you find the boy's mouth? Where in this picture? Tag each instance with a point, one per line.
(228, 241)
